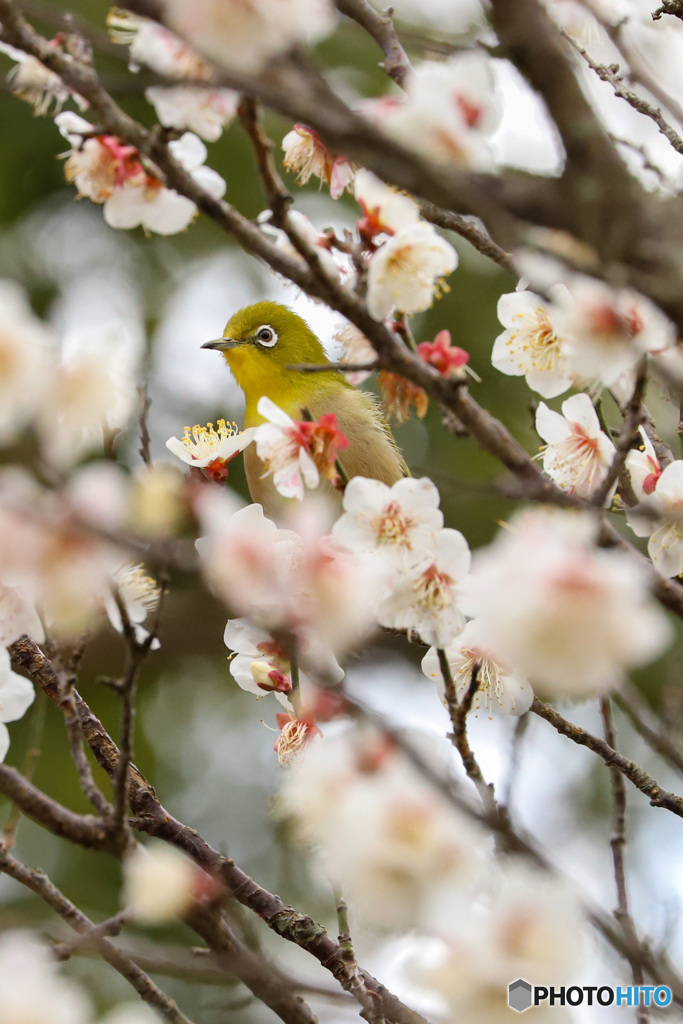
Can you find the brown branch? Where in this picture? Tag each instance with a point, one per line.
(87, 831)
(38, 882)
(618, 847)
(380, 25)
(641, 779)
(155, 820)
(277, 196)
(73, 727)
(477, 238)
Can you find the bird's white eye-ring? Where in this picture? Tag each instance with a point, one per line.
(266, 336)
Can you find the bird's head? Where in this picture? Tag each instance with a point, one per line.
(263, 340)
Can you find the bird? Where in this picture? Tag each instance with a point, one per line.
(262, 345)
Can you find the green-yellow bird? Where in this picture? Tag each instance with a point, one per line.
(260, 344)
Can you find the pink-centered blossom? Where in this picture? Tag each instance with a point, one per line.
(400, 524)
(573, 618)
(578, 454)
(606, 331)
(662, 489)
(160, 884)
(110, 172)
(297, 453)
(644, 467)
(450, 111)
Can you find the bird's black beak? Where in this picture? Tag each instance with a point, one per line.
(221, 344)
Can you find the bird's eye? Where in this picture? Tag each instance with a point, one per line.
(266, 336)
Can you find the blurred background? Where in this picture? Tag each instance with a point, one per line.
(201, 740)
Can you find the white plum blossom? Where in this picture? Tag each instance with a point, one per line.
(426, 600)
(18, 615)
(30, 80)
(92, 393)
(386, 836)
(530, 345)
(160, 883)
(209, 449)
(31, 989)
(138, 593)
(500, 690)
(16, 696)
(450, 111)
(398, 523)
(531, 927)
(404, 274)
(606, 331)
(204, 111)
(27, 358)
(246, 34)
(578, 454)
(110, 172)
(385, 209)
(569, 616)
(307, 155)
(663, 491)
(242, 555)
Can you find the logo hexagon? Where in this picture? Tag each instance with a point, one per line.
(519, 995)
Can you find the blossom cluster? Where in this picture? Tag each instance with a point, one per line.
(407, 859)
(587, 333)
(110, 172)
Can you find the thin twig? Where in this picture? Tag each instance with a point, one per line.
(145, 439)
(648, 726)
(39, 883)
(154, 819)
(641, 779)
(477, 238)
(634, 417)
(458, 711)
(380, 26)
(612, 77)
(618, 846)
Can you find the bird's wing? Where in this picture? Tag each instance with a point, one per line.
(372, 451)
